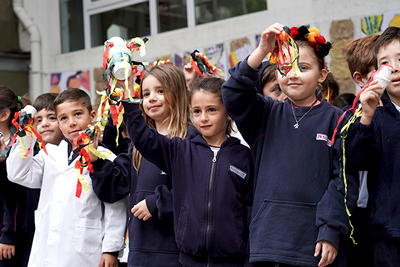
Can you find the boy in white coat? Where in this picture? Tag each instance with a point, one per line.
(72, 229)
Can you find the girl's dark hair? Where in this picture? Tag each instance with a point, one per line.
(45, 101)
(73, 95)
(9, 100)
(212, 85)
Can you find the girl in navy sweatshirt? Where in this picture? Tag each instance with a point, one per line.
(299, 217)
(165, 109)
(211, 178)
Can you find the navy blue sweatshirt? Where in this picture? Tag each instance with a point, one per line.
(212, 192)
(151, 242)
(376, 148)
(17, 217)
(298, 197)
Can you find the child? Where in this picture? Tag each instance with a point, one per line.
(47, 124)
(359, 57)
(297, 210)
(17, 203)
(151, 232)
(211, 177)
(372, 144)
(269, 84)
(72, 229)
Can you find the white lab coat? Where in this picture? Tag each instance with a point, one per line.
(70, 231)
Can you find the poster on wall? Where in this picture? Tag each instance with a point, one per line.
(376, 24)
(216, 55)
(240, 49)
(73, 79)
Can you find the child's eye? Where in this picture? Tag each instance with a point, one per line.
(212, 109)
(63, 118)
(146, 94)
(39, 121)
(304, 68)
(160, 91)
(78, 114)
(53, 118)
(284, 68)
(277, 89)
(196, 111)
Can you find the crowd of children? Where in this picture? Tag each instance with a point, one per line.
(313, 180)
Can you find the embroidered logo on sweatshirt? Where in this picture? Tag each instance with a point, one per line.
(163, 173)
(237, 171)
(324, 137)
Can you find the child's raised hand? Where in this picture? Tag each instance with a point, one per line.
(94, 143)
(141, 211)
(267, 43)
(108, 260)
(329, 253)
(190, 75)
(369, 99)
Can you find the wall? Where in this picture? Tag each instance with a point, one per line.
(289, 12)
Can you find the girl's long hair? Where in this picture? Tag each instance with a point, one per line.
(173, 84)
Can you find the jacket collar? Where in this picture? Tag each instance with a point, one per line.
(230, 141)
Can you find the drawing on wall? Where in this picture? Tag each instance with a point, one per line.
(240, 49)
(73, 79)
(378, 23)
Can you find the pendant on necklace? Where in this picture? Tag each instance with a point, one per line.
(296, 125)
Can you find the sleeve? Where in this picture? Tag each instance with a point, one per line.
(338, 201)
(115, 218)
(25, 171)
(360, 145)
(160, 203)
(156, 148)
(111, 181)
(242, 102)
(109, 138)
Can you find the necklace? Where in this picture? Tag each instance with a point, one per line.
(296, 126)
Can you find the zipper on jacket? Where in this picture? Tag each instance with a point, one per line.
(209, 206)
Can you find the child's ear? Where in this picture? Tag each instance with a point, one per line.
(359, 79)
(93, 117)
(4, 115)
(322, 75)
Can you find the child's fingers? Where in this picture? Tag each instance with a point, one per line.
(317, 249)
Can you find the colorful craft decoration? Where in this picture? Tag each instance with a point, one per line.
(22, 124)
(118, 65)
(203, 66)
(284, 42)
(83, 144)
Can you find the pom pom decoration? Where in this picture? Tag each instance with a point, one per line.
(202, 66)
(117, 60)
(313, 37)
(284, 42)
(82, 144)
(22, 124)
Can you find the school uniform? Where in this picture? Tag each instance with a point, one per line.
(375, 148)
(298, 199)
(18, 204)
(212, 192)
(70, 231)
(151, 242)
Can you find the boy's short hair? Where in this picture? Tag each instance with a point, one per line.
(73, 95)
(359, 54)
(45, 101)
(389, 35)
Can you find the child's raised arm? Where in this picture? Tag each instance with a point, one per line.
(267, 43)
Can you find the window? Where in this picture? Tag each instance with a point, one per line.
(213, 10)
(71, 24)
(126, 22)
(171, 15)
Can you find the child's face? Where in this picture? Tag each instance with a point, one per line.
(301, 89)
(273, 90)
(390, 54)
(73, 118)
(154, 104)
(47, 127)
(210, 117)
